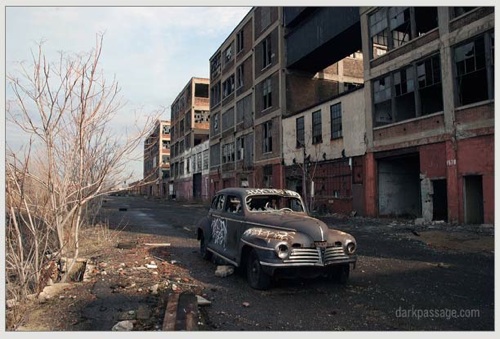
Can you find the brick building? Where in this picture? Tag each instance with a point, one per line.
(156, 171)
(429, 100)
(190, 113)
(252, 89)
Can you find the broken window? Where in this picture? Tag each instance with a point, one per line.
(228, 86)
(404, 86)
(267, 141)
(266, 52)
(474, 69)
(382, 101)
(267, 93)
(214, 155)
(165, 144)
(215, 95)
(228, 153)
(228, 54)
(265, 17)
(399, 18)
(215, 65)
(336, 120)
(239, 41)
(228, 119)
(214, 124)
(205, 159)
(165, 129)
(391, 27)
(268, 176)
(429, 85)
(240, 148)
(239, 76)
(316, 128)
(416, 91)
(299, 130)
(201, 90)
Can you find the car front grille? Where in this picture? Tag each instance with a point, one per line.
(316, 255)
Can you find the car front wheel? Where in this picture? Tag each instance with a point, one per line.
(340, 274)
(205, 254)
(256, 276)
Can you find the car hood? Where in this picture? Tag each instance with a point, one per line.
(316, 229)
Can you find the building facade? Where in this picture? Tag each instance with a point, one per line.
(323, 151)
(429, 100)
(156, 172)
(252, 90)
(190, 114)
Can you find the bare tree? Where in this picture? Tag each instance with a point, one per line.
(66, 108)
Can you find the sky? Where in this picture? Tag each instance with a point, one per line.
(152, 51)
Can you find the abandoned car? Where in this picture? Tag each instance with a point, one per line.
(267, 233)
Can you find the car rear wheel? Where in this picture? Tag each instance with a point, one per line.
(256, 276)
(205, 254)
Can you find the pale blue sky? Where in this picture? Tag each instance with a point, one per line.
(152, 51)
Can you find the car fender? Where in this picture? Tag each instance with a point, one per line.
(203, 227)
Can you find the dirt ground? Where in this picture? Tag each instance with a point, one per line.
(135, 270)
(457, 241)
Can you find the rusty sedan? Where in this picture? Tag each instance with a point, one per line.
(268, 233)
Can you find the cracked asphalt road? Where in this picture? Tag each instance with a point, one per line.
(405, 280)
(400, 282)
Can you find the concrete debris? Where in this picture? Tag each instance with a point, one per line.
(151, 266)
(157, 245)
(246, 304)
(202, 301)
(154, 289)
(125, 325)
(443, 265)
(224, 271)
(419, 221)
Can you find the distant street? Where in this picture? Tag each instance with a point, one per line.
(400, 283)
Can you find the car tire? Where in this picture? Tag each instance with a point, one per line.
(205, 254)
(256, 276)
(340, 274)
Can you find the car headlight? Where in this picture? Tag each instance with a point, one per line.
(282, 250)
(351, 248)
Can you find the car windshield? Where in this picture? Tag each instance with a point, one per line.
(273, 202)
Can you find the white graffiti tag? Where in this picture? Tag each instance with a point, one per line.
(269, 234)
(219, 232)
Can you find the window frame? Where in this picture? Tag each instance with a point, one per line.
(267, 93)
(300, 132)
(336, 120)
(316, 127)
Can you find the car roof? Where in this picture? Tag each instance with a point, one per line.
(244, 191)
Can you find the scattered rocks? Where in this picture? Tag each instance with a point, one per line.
(224, 271)
(125, 325)
(245, 304)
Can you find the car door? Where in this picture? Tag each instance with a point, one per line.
(218, 225)
(235, 224)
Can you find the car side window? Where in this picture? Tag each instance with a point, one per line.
(233, 204)
(220, 202)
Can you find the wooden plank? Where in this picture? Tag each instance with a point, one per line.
(171, 312)
(187, 312)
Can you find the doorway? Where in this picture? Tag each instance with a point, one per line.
(473, 199)
(439, 200)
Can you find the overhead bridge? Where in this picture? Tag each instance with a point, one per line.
(317, 37)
